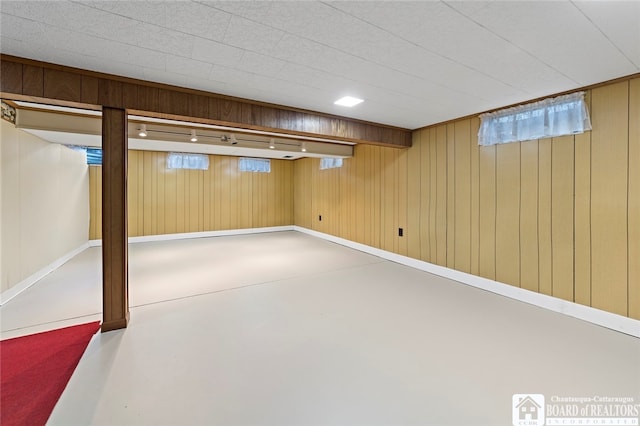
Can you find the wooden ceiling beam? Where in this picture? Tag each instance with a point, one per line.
(25, 79)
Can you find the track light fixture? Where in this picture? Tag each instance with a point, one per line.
(194, 138)
(142, 131)
(272, 144)
(303, 147)
(234, 141)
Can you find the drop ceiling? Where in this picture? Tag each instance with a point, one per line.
(413, 63)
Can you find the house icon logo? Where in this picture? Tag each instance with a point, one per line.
(528, 409)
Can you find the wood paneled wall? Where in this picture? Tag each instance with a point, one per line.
(556, 216)
(168, 201)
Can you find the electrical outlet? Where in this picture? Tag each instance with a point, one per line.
(400, 232)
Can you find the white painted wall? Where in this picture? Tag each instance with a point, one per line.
(44, 204)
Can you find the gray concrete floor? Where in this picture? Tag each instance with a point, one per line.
(287, 329)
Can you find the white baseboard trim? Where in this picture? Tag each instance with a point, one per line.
(15, 290)
(596, 316)
(206, 234)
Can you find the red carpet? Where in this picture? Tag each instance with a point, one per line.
(35, 369)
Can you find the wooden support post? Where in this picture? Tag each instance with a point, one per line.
(115, 269)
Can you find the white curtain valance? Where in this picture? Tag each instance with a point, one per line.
(259, 165)
(563, 115)
(330, 163)
(178, 160)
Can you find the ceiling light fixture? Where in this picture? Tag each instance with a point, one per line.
(142, 131)
(194, 138)
(303, 147)
(348, 101)
(272, 144)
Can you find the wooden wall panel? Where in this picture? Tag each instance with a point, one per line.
(62, 85)
(365, 152)
(11, 77)
(387, 200)
(164, 201)
(634, 199)
(165, 196)
(357, 203)
(545, 256)
(441, 196)
(475, 196)
(562, 173)
(487, 239)
(582, 216)
(427, 204)
(462, 194)
(508, 214)
(95, 202)
(451, 194)
(529, 215)
(135, 196)
(33, 80)
(403, 165)
(348, 176)
(432, 202)
(609, 202)
(415, 231)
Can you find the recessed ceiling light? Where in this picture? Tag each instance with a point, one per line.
(348, 101)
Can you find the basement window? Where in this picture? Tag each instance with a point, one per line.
(93, 155)
(563, 115)
(330, 163)
(181, 160)
(258, 165)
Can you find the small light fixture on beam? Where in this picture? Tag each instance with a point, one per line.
(194, 138)
(348, 101)
(142, 131)
(272, 143)
(303, 147)
(234, 141)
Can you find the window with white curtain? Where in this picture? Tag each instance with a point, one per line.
(563, 115)
(180, 160)
(330, 163)
(259, 165)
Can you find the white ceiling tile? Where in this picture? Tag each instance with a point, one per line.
(215, 52)
(197, 19)
(188, 67)
(557, 34)
(163, 40)
(153, 74)
(304, 75)
(253, 10)
(620, 24)
(21, 29)
(151, 12)
(260, 64)
(249, 35)
(452, 39)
